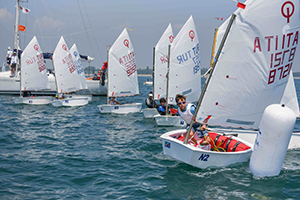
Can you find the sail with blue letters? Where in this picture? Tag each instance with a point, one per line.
(79, 68)
(184, 72)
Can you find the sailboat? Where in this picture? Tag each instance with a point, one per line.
(122, 76)
(160, 67)
(250, 72)
(66, 77)
(11, 85)
(81, 76)
(33, 75)
(184, 71)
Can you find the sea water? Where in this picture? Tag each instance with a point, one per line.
(79, 153)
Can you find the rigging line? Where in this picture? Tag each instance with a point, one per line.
(57, 28)
(38, 22)
(25, 27)
(93, 31)
(85, 29)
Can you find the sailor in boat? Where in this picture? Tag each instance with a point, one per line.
(104, 68)
(113, 101)
(13, 64)
(150, 101)
(162, 106)
(95, 77)
(59, 96)
(27, 94)
(186, 112)
(8, 55)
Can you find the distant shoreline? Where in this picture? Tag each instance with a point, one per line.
(298, 77)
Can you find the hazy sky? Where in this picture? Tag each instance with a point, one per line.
(94, 24)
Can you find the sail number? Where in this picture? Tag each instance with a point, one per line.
(204, 157)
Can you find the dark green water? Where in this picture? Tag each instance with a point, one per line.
(78, 153)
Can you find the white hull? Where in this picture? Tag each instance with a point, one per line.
(148, 83)
(76, 96)
(150, 112)
(164, 120)
(12, 85)
(121, 108)
(39, 100)
(198, 157)
(70, 102)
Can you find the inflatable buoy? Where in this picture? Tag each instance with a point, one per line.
(272, 140)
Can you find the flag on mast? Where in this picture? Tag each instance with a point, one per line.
(22, 28)
(24, 10)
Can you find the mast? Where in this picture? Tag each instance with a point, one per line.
(167, 94)
(153, 75)
(210, 75)
(55, 78)
(16, 34)
(16, 38)
(107, 76)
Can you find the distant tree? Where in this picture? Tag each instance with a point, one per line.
(90, 70)
(145, 71)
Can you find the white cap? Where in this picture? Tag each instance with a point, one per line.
(150, 95)
(8, 48)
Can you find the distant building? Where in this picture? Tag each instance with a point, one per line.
(145, 71)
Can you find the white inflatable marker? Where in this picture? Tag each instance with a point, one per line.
(272, 140)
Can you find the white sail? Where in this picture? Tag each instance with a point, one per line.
(65, 69)
(161, 63)
(79, 68)
(254, 65)
(184, 74)
(290, 96)
(34, 72)
(122, 73)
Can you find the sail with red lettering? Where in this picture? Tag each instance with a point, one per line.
(184, 72)
(255, 63)
(122, 71)
(66, 75)
(161, 63)
(34, 72)
(79, 68)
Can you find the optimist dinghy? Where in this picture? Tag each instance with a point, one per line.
(122, 76)
(66, 76)
(221, 152)
(160, 67)
(184, 71)
(33, 75)
(81, 76)
(247, 76)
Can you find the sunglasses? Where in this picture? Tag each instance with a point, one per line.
(179, 103)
